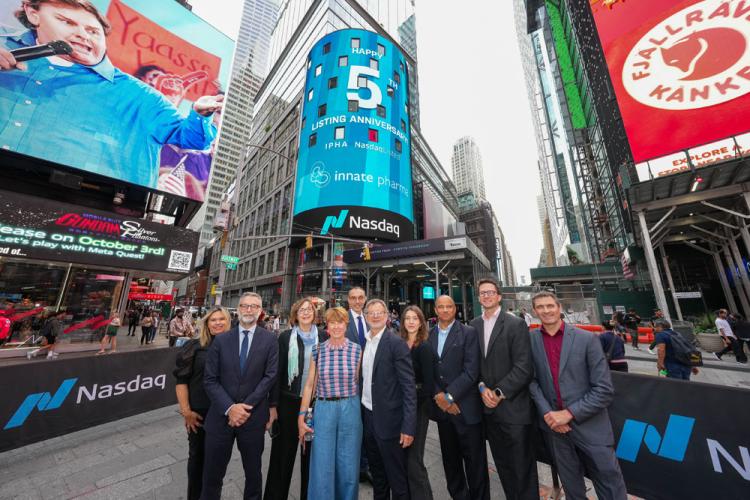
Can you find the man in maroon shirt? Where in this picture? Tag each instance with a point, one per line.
(572, 389)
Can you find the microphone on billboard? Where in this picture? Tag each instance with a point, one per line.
(56, 48)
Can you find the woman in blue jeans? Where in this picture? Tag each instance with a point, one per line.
(333, 382)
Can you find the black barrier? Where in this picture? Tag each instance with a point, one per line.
(52, 398)
(679, 439)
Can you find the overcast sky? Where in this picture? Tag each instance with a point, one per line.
(470, 83)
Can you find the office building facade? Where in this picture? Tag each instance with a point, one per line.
(468, 174)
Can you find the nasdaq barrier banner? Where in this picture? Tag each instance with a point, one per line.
(52, 398)
(37, 228)
(680, 439)
(354, 164)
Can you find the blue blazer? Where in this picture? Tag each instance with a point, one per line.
(394, 392)
(458, 373)
(226, 385)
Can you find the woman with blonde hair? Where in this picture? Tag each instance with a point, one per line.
(191, 395)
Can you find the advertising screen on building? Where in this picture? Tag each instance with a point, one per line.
(354, 164)
(40, 229)
(681, 75)
(137, 98)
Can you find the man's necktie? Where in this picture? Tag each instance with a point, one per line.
(361, 330)
(244, 349)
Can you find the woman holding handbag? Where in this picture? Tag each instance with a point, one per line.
(192, 397)
(333, 384)
(295, 352)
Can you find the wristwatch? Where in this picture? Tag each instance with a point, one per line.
(449, 398)
(499, 392)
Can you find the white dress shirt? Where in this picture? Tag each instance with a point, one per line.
(368, 362)
(489, 325)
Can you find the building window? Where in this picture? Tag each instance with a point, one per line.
(309, 63)
(398, 146)
(401, 66)
(374, 64)
(403, 125)
(333, 82)
(372, 135)
(302, 125)
(362, 82)
(338, 133)
(381, 50)
(313, 140)
(321, 110)
(327, 48)
(318, 69)
(355, 43)
(353, 106)
(310, 95)
(396, 77)
(343, 60)
(389, 91)
(381, 111)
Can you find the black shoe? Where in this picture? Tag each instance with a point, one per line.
(365, 476)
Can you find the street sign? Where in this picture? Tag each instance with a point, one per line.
(230, 259)
(231, 266)
(687, 295)
(428, 292)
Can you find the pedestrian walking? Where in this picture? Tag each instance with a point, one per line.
(742, 332)
(526, 316)
(389, 404)
(667, 361)
(51, 329)
(155, 321)
(147, 322)
(413, 329)
(191, 395)
(632, 320)
(110, 334)
(572, 389)
(505, 372)
(180, 326)
(614, 348)
(727, 335)
(458, 406)
(295, 352)
(240, 372)
(333, 386)
(132, 322)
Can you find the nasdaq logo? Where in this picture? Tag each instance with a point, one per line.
(672, 444)
(334, 222)
(43, 401)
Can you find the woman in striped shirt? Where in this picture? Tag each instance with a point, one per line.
(335, 365)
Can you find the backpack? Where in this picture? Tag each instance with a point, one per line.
(684, 352)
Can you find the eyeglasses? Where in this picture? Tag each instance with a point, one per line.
(375, 314)
(254, 307)
(488, 293)
(302, 310)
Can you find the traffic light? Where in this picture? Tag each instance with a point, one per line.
(367, 253)
(308, 242)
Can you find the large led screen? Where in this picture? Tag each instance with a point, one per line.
(681, 75)
(138, 99)
(354, 165)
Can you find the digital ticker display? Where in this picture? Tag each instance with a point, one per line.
(354, 164)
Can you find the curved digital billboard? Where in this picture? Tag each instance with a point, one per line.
(354, 163)
(681, 73)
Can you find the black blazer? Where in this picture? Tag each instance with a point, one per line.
(458, 373)
(508, 365)
(282, 384)
(225, 385)
(394, 394)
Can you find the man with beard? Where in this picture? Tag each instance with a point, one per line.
(103, 120)
(240, 371)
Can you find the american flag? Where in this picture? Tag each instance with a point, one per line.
(626, 272)
(174, 181)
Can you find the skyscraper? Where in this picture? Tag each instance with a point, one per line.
(467, 168)
(249, 69)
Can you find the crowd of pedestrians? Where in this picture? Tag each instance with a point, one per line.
(355, 399)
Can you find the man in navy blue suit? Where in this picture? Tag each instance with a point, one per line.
(389, 405)
(458, 407)
(240, 371)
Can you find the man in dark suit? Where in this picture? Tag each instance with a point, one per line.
(458, 407)
(505, 373)
(389, 404)
(240, 372)
(572, 389)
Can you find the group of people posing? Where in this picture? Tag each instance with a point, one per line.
(356, 400)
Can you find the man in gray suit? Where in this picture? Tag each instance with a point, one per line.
(572, 389)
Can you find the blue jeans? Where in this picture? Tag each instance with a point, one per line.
(677, 370)
(334, 464)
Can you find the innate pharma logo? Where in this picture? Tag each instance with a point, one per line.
(43, 401)
(671, 445)
(695, 58)
(334, 222)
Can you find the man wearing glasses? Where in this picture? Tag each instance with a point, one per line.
(506, 371)
(240, 372)
(389, 401)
